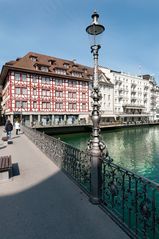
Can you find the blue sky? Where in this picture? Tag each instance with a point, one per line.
(57, 28)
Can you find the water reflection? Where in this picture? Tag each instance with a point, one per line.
(136, 149)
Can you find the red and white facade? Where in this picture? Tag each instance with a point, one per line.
(52, 92)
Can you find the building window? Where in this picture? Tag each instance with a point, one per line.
(72, 95)
(17, 104)
(47, 92)
(51, 62)
(76, 74)
(34, 91)
(72, 106)
(59, 105)
(43, 92)
(84, 84)
(45, 79)
(24, 104)
(46, 105)
(17, 90)
(58, 93)
(58, 82)
(83, 95)
(44, 68)
(83, 106)
(17, 76)
(34, 79)
(23, 77)
(24, 91)
(33, 58)
(34, 104)
(72, 83)
(60, 71)
(66, 65)
(85, 71)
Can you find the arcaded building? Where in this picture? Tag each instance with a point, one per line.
(40, 89)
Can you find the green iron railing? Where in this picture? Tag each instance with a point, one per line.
(74, 162)
(131, 200)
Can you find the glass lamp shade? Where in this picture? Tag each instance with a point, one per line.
(95, 28)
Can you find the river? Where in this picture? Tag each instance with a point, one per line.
(136, 149)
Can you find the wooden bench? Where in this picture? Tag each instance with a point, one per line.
(5, 167)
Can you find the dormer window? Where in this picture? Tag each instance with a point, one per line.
(44, 68)
(60, 71)
(51, 62)
(66, 65)
(85, 70)
(74, 66)
(76, 74)
(33, 58)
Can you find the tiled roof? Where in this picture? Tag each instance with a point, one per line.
(32, 62)
(52, 63)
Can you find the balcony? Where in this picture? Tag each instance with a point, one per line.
(119, 82)
(133, 106)
(146, 87)
(133, 97)
(153, 96)
(120, 96)
(120, 89)
(153, 103)
(133, 84)
(133, 91)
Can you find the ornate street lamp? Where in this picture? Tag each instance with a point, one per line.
(97, 148)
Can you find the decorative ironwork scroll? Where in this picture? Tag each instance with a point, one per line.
(131, 199)
(74, 162)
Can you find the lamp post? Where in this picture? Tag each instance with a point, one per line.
(96, 147)
(21, 112)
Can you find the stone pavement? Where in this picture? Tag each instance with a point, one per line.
(40, 202)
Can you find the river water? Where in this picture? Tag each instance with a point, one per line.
(136, 149)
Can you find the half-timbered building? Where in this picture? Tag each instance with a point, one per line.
(40, 89)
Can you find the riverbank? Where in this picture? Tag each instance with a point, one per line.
(67, 129)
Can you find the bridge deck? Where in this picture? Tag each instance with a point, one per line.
(40, 202)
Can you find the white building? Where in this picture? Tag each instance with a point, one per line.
(107, 102)
(136, 98)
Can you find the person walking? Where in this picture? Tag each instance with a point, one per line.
(8, 128)
(17, 127)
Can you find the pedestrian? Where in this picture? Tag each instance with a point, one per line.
(8, 128)
(17, 127)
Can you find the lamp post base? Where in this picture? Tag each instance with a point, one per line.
(94, 200)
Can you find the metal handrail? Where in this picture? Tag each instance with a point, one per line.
(74, 162)
(130, 199)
